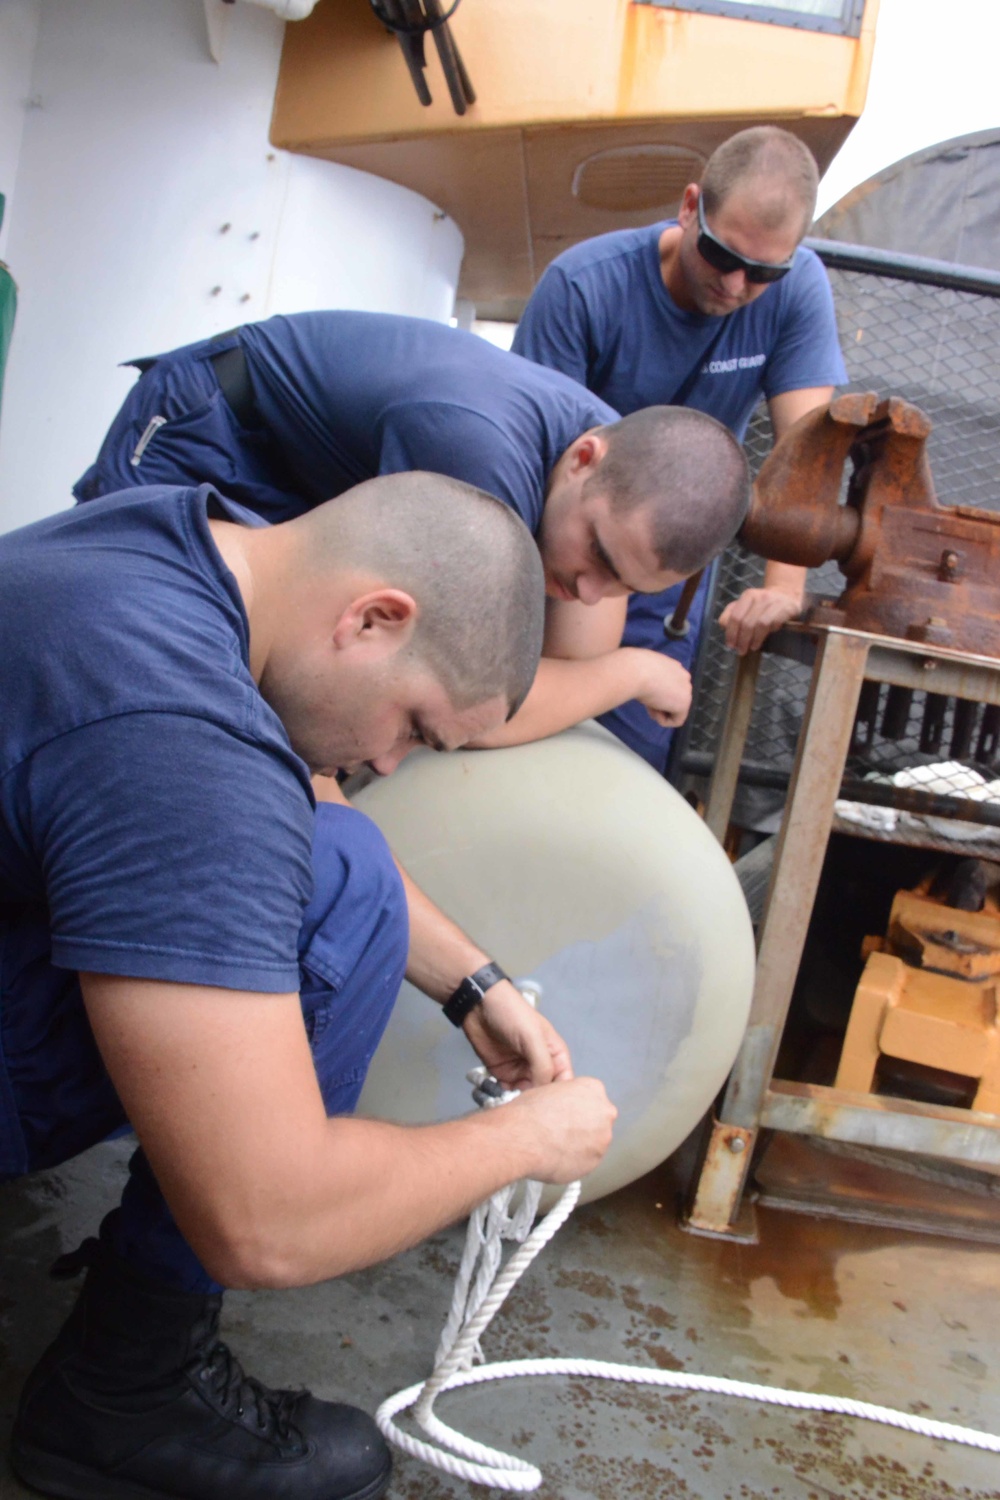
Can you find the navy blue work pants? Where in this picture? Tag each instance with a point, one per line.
(176, 427)
(56, 1098)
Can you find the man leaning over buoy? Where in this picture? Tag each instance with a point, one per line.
(282, 414)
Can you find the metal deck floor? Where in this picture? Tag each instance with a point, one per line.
(904, 1320)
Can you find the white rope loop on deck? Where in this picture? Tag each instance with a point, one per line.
(477, 1299)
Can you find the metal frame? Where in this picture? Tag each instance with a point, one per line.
(841, 256)
(848, 23)
(754, 1099)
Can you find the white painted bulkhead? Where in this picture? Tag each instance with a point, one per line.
(125, 151)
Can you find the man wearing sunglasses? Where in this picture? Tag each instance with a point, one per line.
(711, 310)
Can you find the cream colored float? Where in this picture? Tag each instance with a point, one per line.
(578, 868)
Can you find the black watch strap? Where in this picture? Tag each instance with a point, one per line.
(471, 991)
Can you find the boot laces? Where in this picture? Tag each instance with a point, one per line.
(242, 1397)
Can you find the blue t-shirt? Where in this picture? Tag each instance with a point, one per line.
(602, 314)
(347, 396)
(151, 805)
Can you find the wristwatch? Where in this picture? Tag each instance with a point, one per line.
(471, 991)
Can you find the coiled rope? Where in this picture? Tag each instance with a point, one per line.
(479, 1294)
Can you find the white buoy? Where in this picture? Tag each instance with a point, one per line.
(580, 869)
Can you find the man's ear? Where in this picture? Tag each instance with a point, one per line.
(588, 450)
(383, 619)
(688, 210)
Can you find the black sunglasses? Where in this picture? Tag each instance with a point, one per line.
(725, 260)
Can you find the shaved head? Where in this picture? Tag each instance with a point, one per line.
(689, 471)
(468, 561)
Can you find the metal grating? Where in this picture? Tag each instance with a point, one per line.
(930, 333)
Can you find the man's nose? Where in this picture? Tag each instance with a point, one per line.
(385, 764)
(589, 588)
(735, 283)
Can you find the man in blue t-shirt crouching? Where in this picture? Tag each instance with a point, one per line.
(189, 944)
(708, 311)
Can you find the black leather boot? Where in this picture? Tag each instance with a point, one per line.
(137, 1399)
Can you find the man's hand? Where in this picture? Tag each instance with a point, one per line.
(518, 1045)
(570, 1124)
(750, 619)
(664, 687)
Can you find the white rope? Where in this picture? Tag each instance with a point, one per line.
(479, 1296)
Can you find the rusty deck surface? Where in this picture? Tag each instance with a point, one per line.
(905, 1320)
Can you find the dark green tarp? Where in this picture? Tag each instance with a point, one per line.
(8, 307)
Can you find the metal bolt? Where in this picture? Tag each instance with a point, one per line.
(225, 228)
(736, 1144)
(215, 291)
(245, 297)
(255, 235)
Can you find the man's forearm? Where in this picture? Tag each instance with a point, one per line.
(369, 1189)
(565, 693)
(359, 1191)
(224, 1097)
(440, 954)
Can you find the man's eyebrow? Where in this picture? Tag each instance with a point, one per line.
(604, 558)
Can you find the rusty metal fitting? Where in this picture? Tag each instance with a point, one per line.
(915, 568)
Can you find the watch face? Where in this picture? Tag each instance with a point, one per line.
(489, 975)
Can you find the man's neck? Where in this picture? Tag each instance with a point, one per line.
(671, 270)
(234, 544)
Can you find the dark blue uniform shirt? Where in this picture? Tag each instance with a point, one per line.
(151, 805)
(347, 396)
(602, 314)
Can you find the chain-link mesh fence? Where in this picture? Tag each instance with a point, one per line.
(904, 331)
